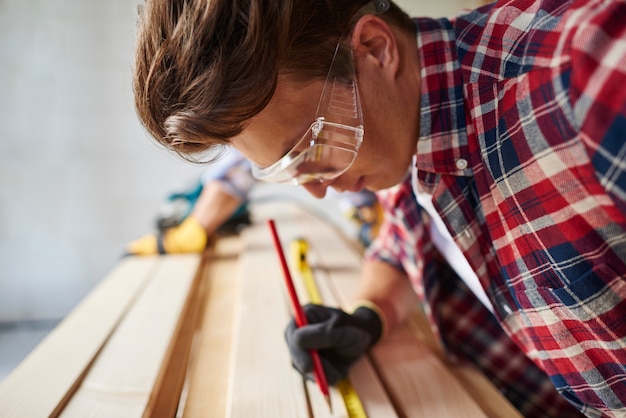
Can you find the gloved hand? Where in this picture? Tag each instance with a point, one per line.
(339, 337)
(188, 237)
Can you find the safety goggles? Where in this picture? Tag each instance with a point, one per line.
(330, 145)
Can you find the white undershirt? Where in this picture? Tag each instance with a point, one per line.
(442, 239)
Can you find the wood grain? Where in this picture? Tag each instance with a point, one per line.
(208, 378)
(263, 382)
(294, 223)
(123, 376)
(42, 384)
(162, 337)
(410, 365)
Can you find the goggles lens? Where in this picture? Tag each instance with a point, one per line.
(325, 152)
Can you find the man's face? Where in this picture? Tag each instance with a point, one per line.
(379, 163)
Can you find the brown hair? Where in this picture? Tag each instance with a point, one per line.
(203, 68)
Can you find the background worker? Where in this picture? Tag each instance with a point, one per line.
(502, 133)
(218, 201)
(192, 217)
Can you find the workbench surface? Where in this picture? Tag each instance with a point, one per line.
(202, 336)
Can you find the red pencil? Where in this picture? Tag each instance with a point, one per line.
(300, 317)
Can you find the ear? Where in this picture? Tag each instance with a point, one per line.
(373, 37)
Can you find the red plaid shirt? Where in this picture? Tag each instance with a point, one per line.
(523, 148)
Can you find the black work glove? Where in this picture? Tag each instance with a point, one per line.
(340, 339)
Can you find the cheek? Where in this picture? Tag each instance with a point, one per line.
(371, 154)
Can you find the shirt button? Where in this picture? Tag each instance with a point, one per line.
(461, 163)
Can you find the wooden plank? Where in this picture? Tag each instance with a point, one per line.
(292, 224)
(42, 384)
(126, 350)
(340, 261)
(420, 384)
(208, 379)
(263, 382)
(123, 375)
(484, 393)
(362, 376)
(165, 396)
(373, 395)
(337, 255)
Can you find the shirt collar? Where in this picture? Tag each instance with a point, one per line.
(442, 145)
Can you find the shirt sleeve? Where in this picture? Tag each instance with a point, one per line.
(234, 172)
(401, 240)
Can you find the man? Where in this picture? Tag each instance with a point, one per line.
(502, 132)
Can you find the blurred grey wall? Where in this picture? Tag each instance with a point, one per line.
(79, 177)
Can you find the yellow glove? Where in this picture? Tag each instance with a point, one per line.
(188, 237)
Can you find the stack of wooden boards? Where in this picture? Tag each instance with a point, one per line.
(202, 336)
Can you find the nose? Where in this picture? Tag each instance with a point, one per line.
(316, 189)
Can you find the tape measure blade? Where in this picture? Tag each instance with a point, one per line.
(353, 406)
(351, 399)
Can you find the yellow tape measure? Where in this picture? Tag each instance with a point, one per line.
(300, 247)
